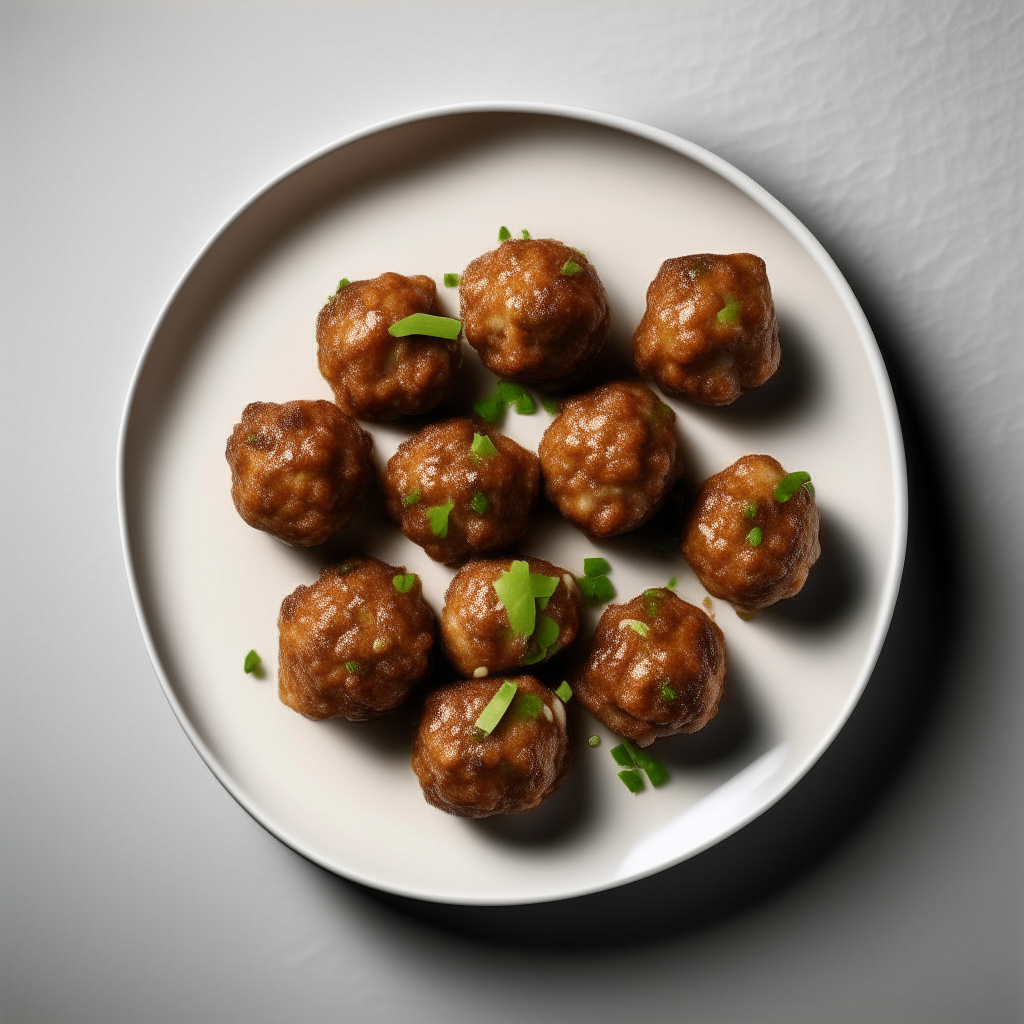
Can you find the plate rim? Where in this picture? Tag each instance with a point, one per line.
(745, 184)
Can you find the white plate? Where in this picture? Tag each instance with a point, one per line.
(426, 194)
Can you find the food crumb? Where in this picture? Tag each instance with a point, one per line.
(479, 673)
(708, 607)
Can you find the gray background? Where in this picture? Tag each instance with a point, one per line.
(887, 887)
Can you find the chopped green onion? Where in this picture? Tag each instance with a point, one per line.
(343, 283)
(526, 405)
(518, 590)
(638, 627)
(412, 497)
(510, 393)
(596, 567)
(452, 280)
(667, 693)
(790, 484)
(596, 589)
(546, 632)
(489, 407)
(492, 714)
(580, 251)
(346, 567)
(352, 666)
(564, 692)
(483, 446)
(503, 233)
(252, 439)
(570, 269)
(671, 585)
(438, 516)
(479, 504)
(755, 537)
(426, 324)
(594, 741)
(622, 756)
(652, 596)
(251, 663)
(750, 511)
(404, 582)
(632, 780)
(551, 405)
(527, 706)
(656, 771)
(731, 313)
(526, 234)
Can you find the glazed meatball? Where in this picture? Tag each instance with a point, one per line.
(373, 375)
(523, 761)
(745, 545)
(300, 470)
(656, 667)
(353, 644)
(609, 457)
(475, 629)
(535, 310)
(709, 331)
(458, 490)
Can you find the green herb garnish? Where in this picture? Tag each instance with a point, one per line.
(343, 283)
(651, 601)
(791, 483)
(621, 756)
(503, 233)
(570, 269)
(252, 438)
(638, 627)
(632, 780)
(251, 663)
(452, 280)
(527, 707)
(483, 446)
(510, 393)
(526, 405)
(564, 692)
(426, 324)
(596, 567)
(594, 741)
(731, 313)
(352, 666)
(750, 511)
(492, 714)
(632, 758)
(343, 568)
(412, 497)
(438, 516)
(754, 537)
(479, 504)
(518, 590)
(667, 693)
(404, 582)
(489, 407)
(551, 405)
(596, 589)
(526, 234)
(546, 633)
(671, 585)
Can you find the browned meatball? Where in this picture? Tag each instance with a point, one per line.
(609, 457)
(523, 761)
(300, 470)
(744, 544)
(656, 668)
(353, 645)
(475, 628)
(373, 375)
(709, 331)
(456, 502)
(535, 310)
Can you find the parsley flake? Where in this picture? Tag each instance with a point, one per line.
(503, 233)
(791, 483)
(452, 280)
(596, 567)
(412, 497)
(525, 234)
(438, 516)
(564, 693)
(754, 537)
(483, 446)
(353, 667)
(251, 663)
(404, 582)
(570, 269)
(479, 504)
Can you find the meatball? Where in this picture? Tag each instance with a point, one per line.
(535, 310)
(476, 631)
(609, 457)
(300, 470)
(656, 667)
(457, 490)
(523, 760)
(709, 331)
(373, 375)
(745, 544)
(353, 645)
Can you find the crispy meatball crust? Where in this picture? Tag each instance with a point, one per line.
(624, 679)
(609, 458)
(436, 466)
(709, 332)
(351, 645)
(529, 322)
(299, 470)
(475, 630)
(715, 541)
(523, 761)
(374, 376)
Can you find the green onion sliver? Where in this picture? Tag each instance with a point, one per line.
(525, 233)
(343, 283)
(479, 504)
(570, 269)
(483, 446)
(622, 756)
(637, 626)
(251, 663)
(403, 583)
(667, 693)
(790, 484)
(492, 714)
(438, 516)
(551, 405)
(564, 692)
(755, 537)
(750, 511)
(452, 280)
(426, 324)
(489, 407)
(527, 707)
(503, 233)
(412, 497)
(632, 780)
(596, 567)
(656, 771)
(731, 313)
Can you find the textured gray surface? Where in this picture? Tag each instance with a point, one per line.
(134, 888)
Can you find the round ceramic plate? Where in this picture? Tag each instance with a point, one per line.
(425, 195)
